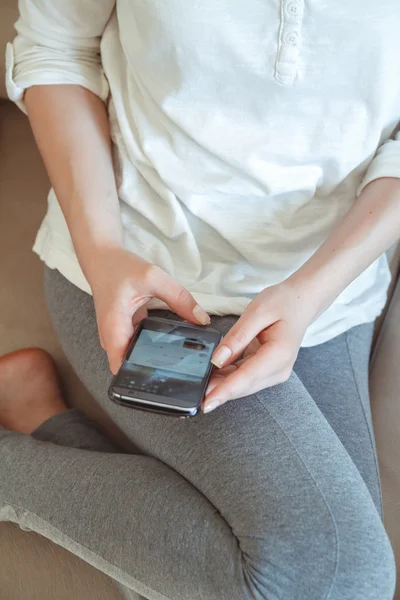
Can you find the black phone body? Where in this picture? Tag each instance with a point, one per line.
(166, 367)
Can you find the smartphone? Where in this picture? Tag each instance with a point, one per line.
(166, 367)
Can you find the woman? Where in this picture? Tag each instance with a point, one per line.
(234, 159)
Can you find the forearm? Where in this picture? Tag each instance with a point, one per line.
(71, 128)
(369, 228)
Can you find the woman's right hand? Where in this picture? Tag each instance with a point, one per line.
(122, 283)
(71, 127)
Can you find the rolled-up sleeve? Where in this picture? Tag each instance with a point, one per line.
(57, 43)
(386, 162)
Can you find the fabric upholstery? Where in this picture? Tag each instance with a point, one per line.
(30, 566)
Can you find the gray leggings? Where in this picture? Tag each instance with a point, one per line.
(275, 496)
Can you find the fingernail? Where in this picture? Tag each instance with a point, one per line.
(211, 405)
(201, 315)
(221, 356)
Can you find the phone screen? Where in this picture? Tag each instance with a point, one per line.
(172, 362)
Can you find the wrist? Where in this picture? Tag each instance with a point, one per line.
(314, 288)
(97, 256)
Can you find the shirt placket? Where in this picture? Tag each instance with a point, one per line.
(289, 40)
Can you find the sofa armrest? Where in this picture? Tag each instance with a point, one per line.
(8, 16)
(385, 406)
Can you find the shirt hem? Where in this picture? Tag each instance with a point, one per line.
(67, 265)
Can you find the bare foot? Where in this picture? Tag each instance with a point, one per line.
(29, 389)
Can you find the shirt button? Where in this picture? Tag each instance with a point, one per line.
(293, 9)
(291, 38)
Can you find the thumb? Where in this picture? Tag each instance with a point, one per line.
(239, 337)
(180, 300)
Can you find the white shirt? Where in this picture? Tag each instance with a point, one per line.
(244, 130)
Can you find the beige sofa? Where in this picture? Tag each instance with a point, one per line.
(31, 567)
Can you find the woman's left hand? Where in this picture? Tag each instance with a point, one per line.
(269, 332)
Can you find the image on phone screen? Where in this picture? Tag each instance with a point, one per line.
(169, 363)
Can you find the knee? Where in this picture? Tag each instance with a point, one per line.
(367, 567)
(342, 563)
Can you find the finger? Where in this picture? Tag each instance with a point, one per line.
(139, 315)
(116, 343)
(253, 347)
(117, 333)
(226, 370)
(212, 384)
(254, 374)
(216, 378)
(239, 363)
(179, 299)
(247, 327)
